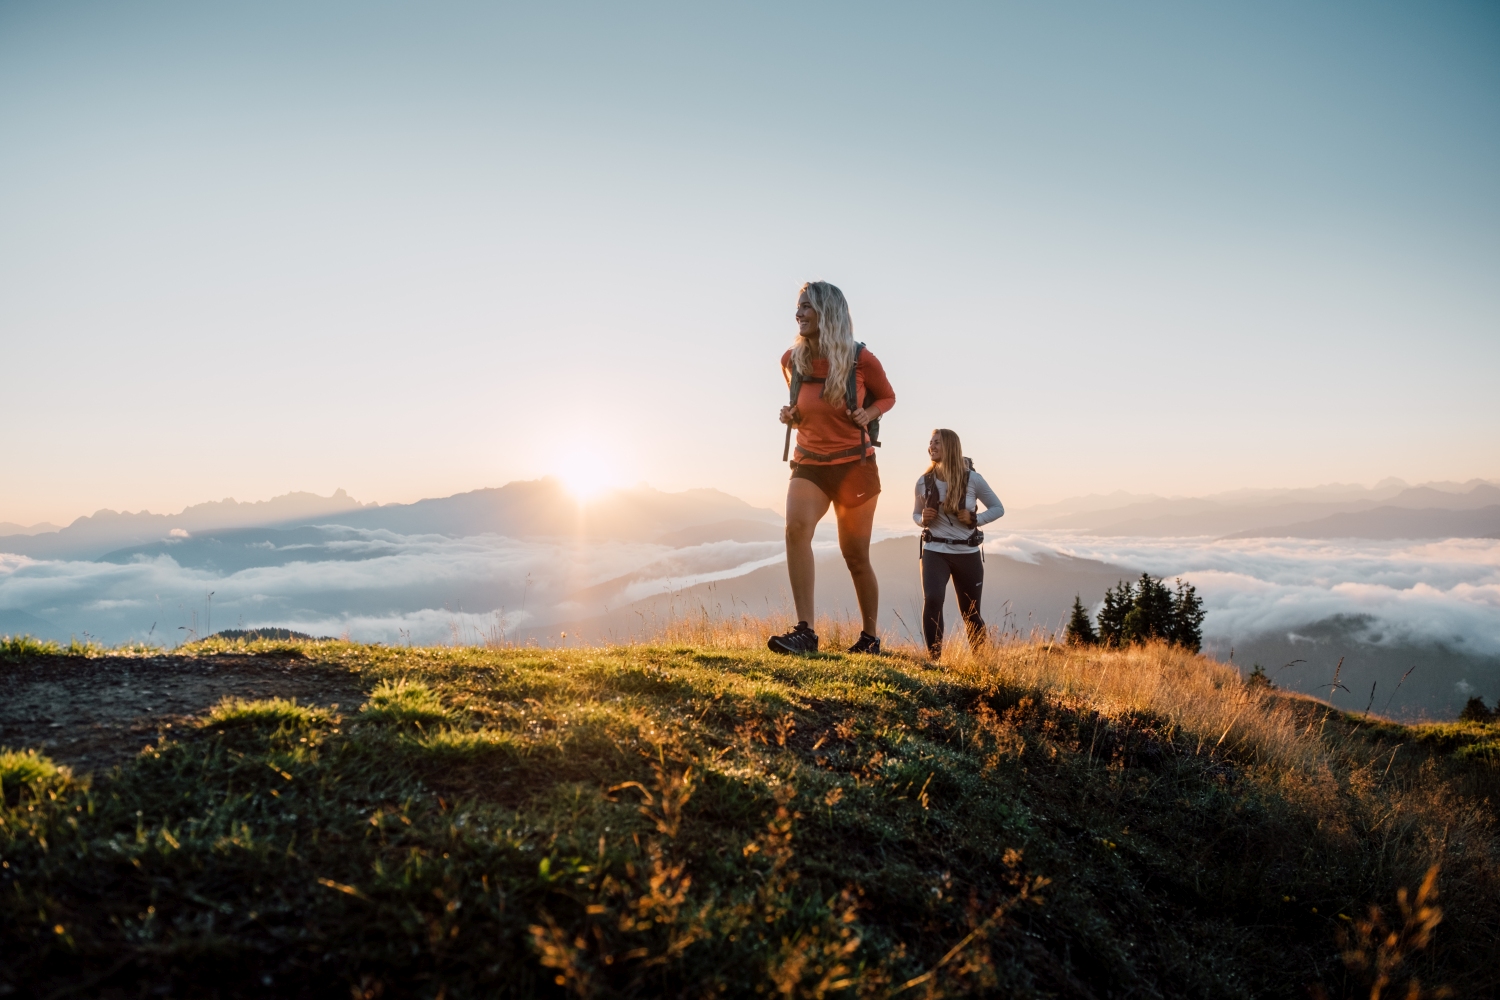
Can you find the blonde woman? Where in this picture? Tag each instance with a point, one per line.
(838, 393)
(948, 498)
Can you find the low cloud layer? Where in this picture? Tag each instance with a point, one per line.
(377, 585)
(1418, 592)
(373, 585)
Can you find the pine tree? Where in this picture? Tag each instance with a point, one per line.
(1080, 630)
(1149, 609)
(1476, 711)
(1117, 604)
(1156, 600)
(1150, 615)
(1186, 624)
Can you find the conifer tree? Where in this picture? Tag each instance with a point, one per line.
(1151, 610)
(1156, 600)
(1186, 628)
(1117, 604)
(1476, 711)
(1080, 630)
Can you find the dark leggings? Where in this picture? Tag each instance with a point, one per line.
(967, 571)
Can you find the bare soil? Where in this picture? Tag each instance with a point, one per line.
(94, 713)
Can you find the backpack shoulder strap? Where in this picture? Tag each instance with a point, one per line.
(794, 383)
(929, 483)
(851, 388)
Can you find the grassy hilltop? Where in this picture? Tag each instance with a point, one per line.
(702, 817)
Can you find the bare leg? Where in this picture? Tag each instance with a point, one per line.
(854, 541)
(805, 507)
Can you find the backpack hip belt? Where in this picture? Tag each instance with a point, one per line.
(976, 538)
(804, 453)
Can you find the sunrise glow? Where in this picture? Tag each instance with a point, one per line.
(586, 474)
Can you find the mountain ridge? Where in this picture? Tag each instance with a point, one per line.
(1392, 523)
(1196, 516)
(525, 508)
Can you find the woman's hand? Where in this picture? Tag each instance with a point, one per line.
(862, 416)
(791, 415)
(929, 516)
(966, 518)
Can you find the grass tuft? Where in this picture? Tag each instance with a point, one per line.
(273, 713)
(27, 773)
(404, 702)
(14, 648)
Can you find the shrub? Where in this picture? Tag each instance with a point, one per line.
(1259, 679)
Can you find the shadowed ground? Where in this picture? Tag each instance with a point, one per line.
(699, 816)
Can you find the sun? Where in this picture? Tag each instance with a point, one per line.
(586, 474)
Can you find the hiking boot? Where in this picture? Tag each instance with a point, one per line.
(866, 643)
(799, 640)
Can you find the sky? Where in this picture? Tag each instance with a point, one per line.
(414, 249)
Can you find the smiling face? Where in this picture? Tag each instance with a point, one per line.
(807, 317)
(935, 447)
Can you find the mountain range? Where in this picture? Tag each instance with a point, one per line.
(544, 508)
(1392, 523)
(526, 509)
(1286, 513)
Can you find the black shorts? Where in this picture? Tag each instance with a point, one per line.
(848, 484)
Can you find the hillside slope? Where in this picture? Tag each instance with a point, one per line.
(699, 816)
(1022, 595)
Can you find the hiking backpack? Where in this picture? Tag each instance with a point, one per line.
(871, 434)
(929, 486)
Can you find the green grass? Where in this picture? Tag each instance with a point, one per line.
(27, 775)
(679, 820)
(15, 648)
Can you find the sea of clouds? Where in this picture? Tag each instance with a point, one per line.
(382, 586)
(373, 586)
(1416, 592)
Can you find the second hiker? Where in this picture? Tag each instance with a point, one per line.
(838, 393)
(948, 496)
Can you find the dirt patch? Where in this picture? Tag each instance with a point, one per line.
(93, 713)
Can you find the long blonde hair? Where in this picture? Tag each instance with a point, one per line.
(952, 469)
(835, 340)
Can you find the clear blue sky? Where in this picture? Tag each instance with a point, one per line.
(414, 249)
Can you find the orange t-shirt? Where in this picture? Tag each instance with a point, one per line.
(825, 430)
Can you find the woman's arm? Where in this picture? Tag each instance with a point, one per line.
(876, 383)
(993, 508)
(916, 512)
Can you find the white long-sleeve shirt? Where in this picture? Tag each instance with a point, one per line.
(946, 526)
